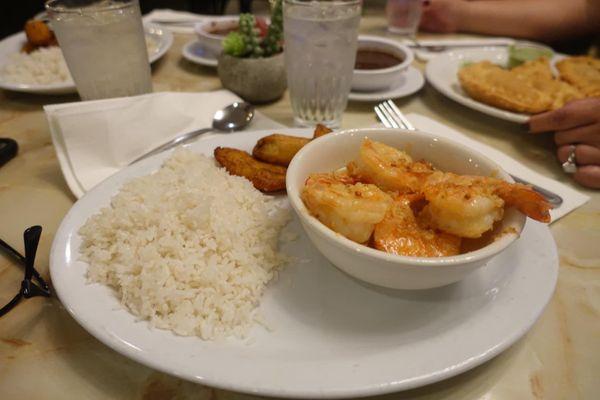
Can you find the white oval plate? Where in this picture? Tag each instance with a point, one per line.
(442, 72)
(332, 335)
(13, 44)
(406, 84)
(194, 51)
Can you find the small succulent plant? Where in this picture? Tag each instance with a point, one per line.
(249, 42)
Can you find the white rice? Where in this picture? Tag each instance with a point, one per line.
(46, 65)
(189, 248)
(43, 66)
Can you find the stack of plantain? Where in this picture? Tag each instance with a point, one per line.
(267, 166)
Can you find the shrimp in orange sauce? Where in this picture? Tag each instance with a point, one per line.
(468, 206)
(377, 196)
(350, 209)
(401, 233)
(389, 168)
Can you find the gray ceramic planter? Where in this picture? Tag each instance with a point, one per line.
(257, 80)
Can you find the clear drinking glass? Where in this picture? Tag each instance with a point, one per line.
(320, 51)
(104, 45)
(404, 16)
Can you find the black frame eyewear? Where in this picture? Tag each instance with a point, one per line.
(31, 238)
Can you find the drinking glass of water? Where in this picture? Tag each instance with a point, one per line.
(104, 45)
(320, 51)
(403, 16)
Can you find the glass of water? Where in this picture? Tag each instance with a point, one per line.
(404, 16)
(320, 51)
(104, 44)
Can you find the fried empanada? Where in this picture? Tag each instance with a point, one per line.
(498, 87)
(582, 72)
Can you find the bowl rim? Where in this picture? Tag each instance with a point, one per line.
(408, 55)
(293, 194)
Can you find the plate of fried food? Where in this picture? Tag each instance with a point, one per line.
(488, 80)
(181, 263)
(31, 61)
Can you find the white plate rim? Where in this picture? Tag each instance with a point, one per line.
(443, 61)
(14, 41)
(63, 237)
(413, 83)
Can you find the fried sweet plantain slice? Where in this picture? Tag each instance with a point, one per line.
(278, 149)
(265, 177)
(321, 130)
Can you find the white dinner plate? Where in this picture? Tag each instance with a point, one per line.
(332, 336)
(196, 52)
(442, 73)
(406, 84)
(13, 44)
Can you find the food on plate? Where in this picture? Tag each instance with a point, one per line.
(321, 130)
(38, 35)
(387, 200)
(493, 85)
(581, 72)
(41, 61)
(189, 248)
(523, 52)
(43, 66)
(531, 87)
(400, 232)
(278, 149)
(266, 168)
(539, 74)
(264, 176)
(375, 59)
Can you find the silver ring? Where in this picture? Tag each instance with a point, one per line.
(570, 166)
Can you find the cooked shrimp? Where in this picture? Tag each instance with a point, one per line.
(389, 168)
(350, 209)
(468, 206)
(400, 233)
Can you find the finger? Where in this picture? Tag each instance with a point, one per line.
(589, 134)
(588, 176)
(575, 113)
(584, 154)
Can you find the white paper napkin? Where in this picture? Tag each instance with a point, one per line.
(425, 55)
(95, 139)
(177, 21)
(572, 199)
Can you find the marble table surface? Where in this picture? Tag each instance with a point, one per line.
(45, 354)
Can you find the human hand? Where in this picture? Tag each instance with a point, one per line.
(576, 127)
(442, 15)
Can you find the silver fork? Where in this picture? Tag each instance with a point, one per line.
(391, 117)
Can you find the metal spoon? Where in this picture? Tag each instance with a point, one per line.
(232, 118)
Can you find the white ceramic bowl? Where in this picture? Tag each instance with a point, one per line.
(370, 80)
(210, 40)
(335, 150)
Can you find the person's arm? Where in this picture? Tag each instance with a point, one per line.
(533, 19)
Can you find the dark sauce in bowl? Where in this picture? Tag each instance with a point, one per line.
(375, 59)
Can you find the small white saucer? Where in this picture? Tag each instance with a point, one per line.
(197, 53)
(407, 83)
